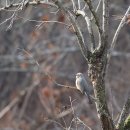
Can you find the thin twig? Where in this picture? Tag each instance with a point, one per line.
(84, 124)
(105, 20)
(111, 103)
(13, 16)
(79, 5)
(73, 112)
(8, 107)
(84, 49)
(122, 23)
(103, 39)
(41, 22)
(26, 100)
(96, 10)
(15, 101)
(91, 8)
(74, 6)
(28, 3)
(89, 25)
(47, 109)
(53, 121)
(99, 3)
(61, 85)
(67, 112)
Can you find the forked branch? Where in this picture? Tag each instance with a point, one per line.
(26, 3)
(84, 49)
(122, 23)
(89, 3)
(89, 26)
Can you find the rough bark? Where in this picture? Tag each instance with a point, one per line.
(96, 74)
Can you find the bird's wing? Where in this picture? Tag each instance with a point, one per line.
(86, 86)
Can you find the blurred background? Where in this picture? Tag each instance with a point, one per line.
(37, 58)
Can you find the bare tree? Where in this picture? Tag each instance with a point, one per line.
(96, 53)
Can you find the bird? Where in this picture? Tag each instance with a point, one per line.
(82, 85)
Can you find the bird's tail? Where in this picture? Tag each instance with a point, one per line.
(89, 98)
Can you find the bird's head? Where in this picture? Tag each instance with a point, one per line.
(79, 75)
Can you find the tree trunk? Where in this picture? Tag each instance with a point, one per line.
(96, 72)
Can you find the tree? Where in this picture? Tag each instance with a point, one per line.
(97, 55)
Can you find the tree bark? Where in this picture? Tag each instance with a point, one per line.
(96, 72)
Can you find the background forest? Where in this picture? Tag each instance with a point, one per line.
(36, 60)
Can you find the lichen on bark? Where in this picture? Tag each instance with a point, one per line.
(95, 72)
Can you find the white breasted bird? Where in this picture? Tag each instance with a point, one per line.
(82, 85)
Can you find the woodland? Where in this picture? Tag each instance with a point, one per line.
(41, 50)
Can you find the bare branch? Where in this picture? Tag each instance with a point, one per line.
(67, 112)
(12, 18)
(103, 44)
(105, 23)
(89, 3)
(96, 10)
(121, 54)
(74, 6)
(79, 6)
(26, 101)
(84, 49)
(61, 85)
(99, 3)
(122, 23)
(80, 38)
(16, 100)
(8, 107)
(84, 124)
(19, 6)
(116, 35)
(124, 113)
(41, 22)
(27, 3)
(89, 25)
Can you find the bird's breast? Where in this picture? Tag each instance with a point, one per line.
(78, 84)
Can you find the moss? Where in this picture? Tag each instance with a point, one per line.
(127, 123)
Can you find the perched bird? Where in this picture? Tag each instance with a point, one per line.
(82, 85)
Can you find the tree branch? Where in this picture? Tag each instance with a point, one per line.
(26, 4)
(89, 3)
(122, 23)
(17, 99)
(89, 25)
(105, 24)
(124, 114)
(99, 3)
(84, 49)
